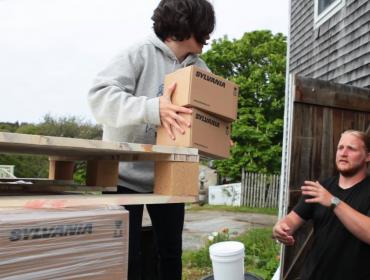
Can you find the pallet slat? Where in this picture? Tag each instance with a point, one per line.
(74, 147)
(73, 200)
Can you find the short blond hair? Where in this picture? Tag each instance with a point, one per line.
(363, 136)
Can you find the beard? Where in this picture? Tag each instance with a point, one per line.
(350, 170)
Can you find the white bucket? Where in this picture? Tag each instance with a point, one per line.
(227, 260)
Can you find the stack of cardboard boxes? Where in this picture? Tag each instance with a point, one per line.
(46, 244)
(214, 102)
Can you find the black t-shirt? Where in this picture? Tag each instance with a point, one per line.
(336, 253)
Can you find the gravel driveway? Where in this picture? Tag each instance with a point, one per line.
(200, 224)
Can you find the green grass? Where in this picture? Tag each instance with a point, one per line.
(262, 256)
(262, 253)
(244, 209)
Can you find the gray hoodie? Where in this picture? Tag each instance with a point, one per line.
(125, 100)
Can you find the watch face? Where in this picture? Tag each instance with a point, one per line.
(334, 201)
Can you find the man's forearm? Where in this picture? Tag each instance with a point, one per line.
(357, 223)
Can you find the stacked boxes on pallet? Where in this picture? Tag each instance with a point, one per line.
(214, 102)
(46, 244)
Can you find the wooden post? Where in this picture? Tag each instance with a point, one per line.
(61, 170)
(176, 178)
(103, 173)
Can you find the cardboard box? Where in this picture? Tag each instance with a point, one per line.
(199, 88)
(176, 178)
(63, 244)
(209, 134)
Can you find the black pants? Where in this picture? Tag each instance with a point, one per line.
(167, 222)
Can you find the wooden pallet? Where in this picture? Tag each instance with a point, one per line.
(176, 170)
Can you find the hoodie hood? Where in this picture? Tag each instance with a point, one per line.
(159, 44)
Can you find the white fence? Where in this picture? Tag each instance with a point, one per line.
(255, 190)
(260, 190)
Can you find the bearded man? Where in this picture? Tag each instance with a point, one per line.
(340, 210)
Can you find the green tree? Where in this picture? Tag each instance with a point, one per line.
(27, 166)
(8, 127)
(256, 62)
(63, 127)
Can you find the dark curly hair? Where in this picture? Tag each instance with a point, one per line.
(180, 19)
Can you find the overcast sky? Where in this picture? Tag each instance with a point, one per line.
(50, 50)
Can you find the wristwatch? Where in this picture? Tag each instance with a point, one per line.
(334, 202)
